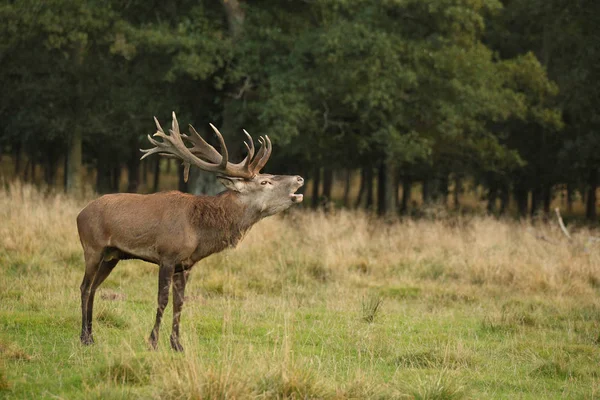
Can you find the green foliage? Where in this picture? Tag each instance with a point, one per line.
(101, 67)
(359, 84)
(564, 39)
(496, 90)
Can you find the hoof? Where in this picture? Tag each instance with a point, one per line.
(175, 345)
(153, 342)
(87, 340)
(152, 345)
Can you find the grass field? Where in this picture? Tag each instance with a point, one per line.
(308, 306)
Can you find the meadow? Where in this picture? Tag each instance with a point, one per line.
(310, 305)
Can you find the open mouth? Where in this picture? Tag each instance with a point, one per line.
(296, 198)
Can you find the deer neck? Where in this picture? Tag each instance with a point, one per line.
(223, 217)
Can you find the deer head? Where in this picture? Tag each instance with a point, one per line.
(267, 194)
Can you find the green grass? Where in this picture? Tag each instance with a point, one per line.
(299, 344)
(363, 316)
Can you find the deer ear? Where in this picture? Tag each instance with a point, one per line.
(235, 184)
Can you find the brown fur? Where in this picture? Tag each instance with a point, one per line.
(173, 230)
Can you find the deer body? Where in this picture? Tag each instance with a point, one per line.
(176, 230)
(183, 229)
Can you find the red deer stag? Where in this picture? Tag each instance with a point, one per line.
(176, 230)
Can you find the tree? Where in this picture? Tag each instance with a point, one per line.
(564, 37)
(362, 87)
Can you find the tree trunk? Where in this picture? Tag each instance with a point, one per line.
(50, 170)
(521, 195)
(144, 172)
(18, 158)
(235, 17)
(73, 173)
(391, 198)
(504, 199)
(569, 198)
(369, 188)
(590, 207)
(426, 191)
(116, 178)
(443, 183)
(73, 160)
(315, 189)
(347, 175)
(397, 189)
(103, 178)
(406, 194)
(26, 171)
(386, 183)
(327, 183)
(382, 189)
(492, 196)
(65, 174)
(435, 189)
(133, 169)
(201, 182)
(156, 175)
(32, 165)
(536, 200)
(547, 198)
(456, 193)
(361, 187)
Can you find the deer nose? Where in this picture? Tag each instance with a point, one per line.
(300, 179)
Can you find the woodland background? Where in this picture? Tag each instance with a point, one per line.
(372, 99)
(415, 107)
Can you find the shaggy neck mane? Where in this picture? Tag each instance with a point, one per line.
(223, 210)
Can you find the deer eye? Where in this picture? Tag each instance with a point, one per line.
(265, 182)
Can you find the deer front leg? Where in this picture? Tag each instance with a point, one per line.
(165, 275)
(179, 281)
(92, 264)
(86, 334)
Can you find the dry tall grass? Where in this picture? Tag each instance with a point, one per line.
(296, 312)
(345, 246)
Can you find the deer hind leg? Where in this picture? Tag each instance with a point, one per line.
(165, 275)
(105, 269)
(179, 281)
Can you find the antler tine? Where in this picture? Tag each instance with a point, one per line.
(175, 125)
(261, 152)
(154, 142)
(245, 163)
(263, 155)
(152, 150)
(203, 147)
(160, 129)
(251, 148)
(263, 160)
(224, 153)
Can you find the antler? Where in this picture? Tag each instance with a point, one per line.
(173, 146)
